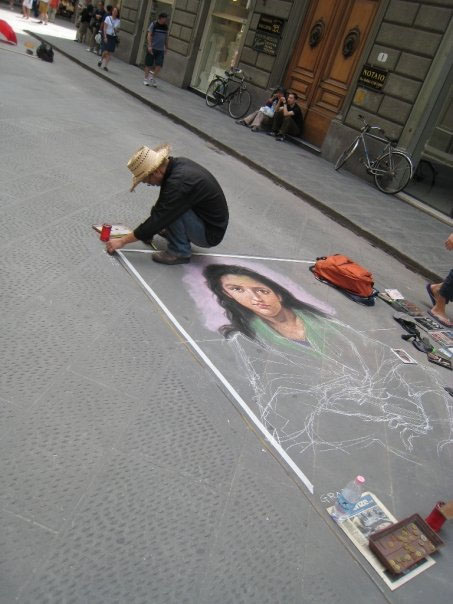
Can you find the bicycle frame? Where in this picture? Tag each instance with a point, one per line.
(388, 150)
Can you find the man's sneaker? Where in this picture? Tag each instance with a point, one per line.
(271, 133)
(154, 83)
(167, 258)
(89, 49)
(280, 137)
(145, 82)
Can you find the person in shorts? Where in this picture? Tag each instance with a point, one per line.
(156, 38)
(43, 8)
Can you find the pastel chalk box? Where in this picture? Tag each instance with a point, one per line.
(404, 544)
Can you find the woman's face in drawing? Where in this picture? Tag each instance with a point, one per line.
(252, 294)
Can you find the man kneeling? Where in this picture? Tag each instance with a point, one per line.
(191, 206)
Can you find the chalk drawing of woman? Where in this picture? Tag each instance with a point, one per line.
(317, 383)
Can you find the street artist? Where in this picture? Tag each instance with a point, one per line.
(191, 207)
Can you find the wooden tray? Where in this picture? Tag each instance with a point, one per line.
(404, 544)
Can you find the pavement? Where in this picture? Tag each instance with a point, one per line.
(406, 232)
(128, 473)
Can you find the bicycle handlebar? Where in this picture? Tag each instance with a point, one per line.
(367, 127)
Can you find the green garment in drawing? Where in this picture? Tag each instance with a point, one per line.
(315, 332)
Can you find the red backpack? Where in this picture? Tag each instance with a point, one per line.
(341, 272)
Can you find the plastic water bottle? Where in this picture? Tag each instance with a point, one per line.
(347, 498)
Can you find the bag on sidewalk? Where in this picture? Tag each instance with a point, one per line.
(45, 52)
(352, 279)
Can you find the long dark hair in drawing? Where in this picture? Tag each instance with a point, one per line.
(239, 316)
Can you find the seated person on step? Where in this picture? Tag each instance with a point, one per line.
(288, 118)
(261, 119)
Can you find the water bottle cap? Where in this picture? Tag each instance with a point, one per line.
(360, 479)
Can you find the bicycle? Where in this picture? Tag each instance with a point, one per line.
(392, 170)
(238, 99)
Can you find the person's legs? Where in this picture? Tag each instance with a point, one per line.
(288, 126)
(249, 118)
(82, 33)
(277, 121)
(149, 63)
(257, 121)
(158, 62)
(187, 228)
(442, 294)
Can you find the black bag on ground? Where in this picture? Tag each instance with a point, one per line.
(45, 52)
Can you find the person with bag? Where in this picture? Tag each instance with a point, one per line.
(110, 38)
(95, 23)
(261, 119)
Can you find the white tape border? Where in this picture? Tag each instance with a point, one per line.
(243, 257)
(237, 397)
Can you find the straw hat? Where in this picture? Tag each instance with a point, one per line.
(145, 161)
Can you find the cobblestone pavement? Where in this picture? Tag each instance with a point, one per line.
(127, 473)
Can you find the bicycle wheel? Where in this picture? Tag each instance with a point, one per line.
(215, 92)
(392, 172)
(347, 154)
(239, 103)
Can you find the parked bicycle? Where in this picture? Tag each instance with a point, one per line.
(232, 90)
(392, 170)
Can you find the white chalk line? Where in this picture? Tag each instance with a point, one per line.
(218, 374)
(244, 257)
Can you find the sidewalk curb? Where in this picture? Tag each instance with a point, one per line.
(409, 262)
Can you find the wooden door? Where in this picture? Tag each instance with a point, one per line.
(325, 59)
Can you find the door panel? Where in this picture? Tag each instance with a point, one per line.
(324, 62)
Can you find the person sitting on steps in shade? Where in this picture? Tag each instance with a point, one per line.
(288, 118)
(261, 119)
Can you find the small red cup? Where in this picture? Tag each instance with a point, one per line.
(105, 233)
(436, 518)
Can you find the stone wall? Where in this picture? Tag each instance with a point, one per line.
(183, 40)
(409, 35)
(260, 67)
(130, 18)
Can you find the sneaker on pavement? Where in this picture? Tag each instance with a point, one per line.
(280, 137)
(145, 82)
(153, 83)
(167, 258)
(271, 133)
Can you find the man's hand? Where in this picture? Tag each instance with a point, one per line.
(449, 243)
(114, 244)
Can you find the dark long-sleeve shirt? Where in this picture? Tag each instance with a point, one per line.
(187, 185)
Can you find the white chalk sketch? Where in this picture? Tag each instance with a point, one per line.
(312, 384)
(318, 384)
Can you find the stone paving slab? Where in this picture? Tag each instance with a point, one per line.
(384, 220)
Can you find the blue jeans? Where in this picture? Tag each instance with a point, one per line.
(185, 229)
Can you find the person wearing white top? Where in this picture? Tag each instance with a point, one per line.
(110, 28)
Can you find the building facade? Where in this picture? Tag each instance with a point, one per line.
(387, 60)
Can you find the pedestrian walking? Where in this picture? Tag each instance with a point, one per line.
(84, 21)
(53, 9)
(442, 293)
(94, 26)
(288, 118)
(110, 29)
(26, 7)
(191, 206)
(156, 38)
(43, 10)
